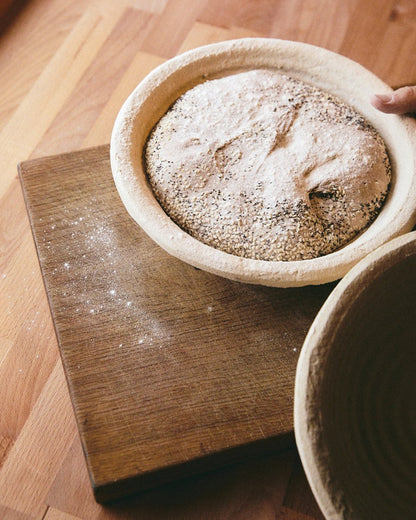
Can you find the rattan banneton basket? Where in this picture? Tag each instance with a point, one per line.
(319, 67)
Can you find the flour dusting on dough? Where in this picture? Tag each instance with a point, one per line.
(264, 166)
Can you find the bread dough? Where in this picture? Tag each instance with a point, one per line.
(326, 70)
(264, 166)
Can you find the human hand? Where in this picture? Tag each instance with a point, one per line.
(401, 101)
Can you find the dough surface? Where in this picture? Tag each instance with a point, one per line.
(264, 166)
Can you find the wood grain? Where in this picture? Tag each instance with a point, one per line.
(62, 85)
(171, 370)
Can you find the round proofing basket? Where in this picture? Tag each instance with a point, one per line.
(316, 66)
(355, 388)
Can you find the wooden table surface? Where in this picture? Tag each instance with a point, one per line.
(66, 68)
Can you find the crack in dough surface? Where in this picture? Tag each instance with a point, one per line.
(264, 166)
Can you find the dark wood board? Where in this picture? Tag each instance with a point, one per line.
(171, 370)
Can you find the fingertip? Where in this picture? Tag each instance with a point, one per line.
(401, 101)
(384, 98)
(381, 101)
(405, 99)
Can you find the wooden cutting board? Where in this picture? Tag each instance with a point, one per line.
(171, 370)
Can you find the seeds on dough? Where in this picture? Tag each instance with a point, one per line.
(264, 166)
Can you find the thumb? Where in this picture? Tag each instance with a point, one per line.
(401, 101)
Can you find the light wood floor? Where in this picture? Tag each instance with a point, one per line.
(66, 68)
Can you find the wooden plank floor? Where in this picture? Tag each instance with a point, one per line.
(66, 68)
